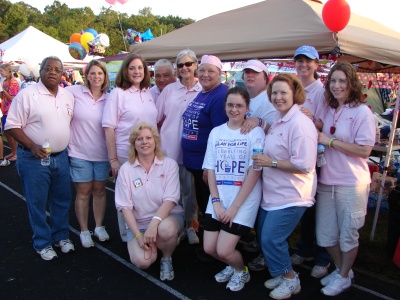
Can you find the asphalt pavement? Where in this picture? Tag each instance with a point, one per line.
(105, 272)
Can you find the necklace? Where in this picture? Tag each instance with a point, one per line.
(333, 127)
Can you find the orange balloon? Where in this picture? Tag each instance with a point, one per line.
(75, 38)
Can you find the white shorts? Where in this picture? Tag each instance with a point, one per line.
(340, 212)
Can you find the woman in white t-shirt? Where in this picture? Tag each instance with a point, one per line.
(235, 189)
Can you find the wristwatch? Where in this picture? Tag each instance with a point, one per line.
(274, 164)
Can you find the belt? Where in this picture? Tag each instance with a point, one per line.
(26, 149)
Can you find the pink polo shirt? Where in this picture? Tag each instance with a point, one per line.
(171, 104)
(88, 140)
(292, 138)
(43, 116)
(144, 192)
(155, 93)
(12, 87)
(124, 110)
(354, 125)
(315, 99)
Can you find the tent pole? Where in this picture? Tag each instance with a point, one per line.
(386, 164)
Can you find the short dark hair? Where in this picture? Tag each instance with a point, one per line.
(237, 90)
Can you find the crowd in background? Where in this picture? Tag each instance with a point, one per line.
(189, 149)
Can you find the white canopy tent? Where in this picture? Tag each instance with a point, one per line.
(33, 45)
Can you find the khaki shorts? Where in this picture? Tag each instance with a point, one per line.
(340, 212)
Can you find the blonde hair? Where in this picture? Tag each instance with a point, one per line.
(135, 133)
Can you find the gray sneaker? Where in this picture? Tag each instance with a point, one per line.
(166, 269)
(257, 264)
(238, 280)
(66, 246)
(4, 162)
(192, 236)
(47, 253)
(225, 275)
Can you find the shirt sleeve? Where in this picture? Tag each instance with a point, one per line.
(111, 111)
(172, 185)
(209, 158)
(123, 196)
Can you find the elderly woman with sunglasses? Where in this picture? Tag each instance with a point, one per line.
(147, 193)
(172, 102)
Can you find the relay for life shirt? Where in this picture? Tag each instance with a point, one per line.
(204, 113)
(42, 115)
(88, 140)
(229, 155)
(124, 109)
(144, 192)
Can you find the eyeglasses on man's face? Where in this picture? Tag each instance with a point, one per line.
(237, 106)
(56, 70)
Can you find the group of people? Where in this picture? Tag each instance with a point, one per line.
(184, 148)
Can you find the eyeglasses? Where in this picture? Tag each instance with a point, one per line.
(237, 106)
(47, 70)
(186, 64)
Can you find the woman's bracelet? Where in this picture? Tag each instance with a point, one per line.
(157, 218)
(314, 119)
(139, 234)
(215, 199)
(260, 121)
(330, 143)
(113, 159)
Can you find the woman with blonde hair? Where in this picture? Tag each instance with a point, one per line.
(147, 194)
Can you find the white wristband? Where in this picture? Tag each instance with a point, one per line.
(157, 218)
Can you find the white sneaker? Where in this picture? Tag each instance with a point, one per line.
(66, 246)
(287, 288)
(325, 281)
(238, 280)
(166, 269)
(336, 286)
(298, 260)
(319, 271)
(101, 234)
(192, 236)
(4, 162)
(273, 282)
(225, 275)
(86, 239)
(48, 253)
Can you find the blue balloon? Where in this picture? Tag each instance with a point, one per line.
(77, 51)
(92, 31)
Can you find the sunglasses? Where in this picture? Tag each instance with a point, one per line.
(186, 64)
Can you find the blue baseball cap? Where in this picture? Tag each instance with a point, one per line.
(308, 51)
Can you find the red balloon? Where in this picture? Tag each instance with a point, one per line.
(336, 14)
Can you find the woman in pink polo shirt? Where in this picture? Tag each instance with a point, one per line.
(147, 193)
(127, 105)
(343, 184)
(87, 150)
(10, 88)
(172, 102)
(289, 181)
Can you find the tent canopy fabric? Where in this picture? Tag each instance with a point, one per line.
(275, 29)
(34, 45)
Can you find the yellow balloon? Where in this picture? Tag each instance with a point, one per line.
(85, 39)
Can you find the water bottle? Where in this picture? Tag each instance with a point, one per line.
(377, 136)
(47, 147)
(321, 161)
(258, 149)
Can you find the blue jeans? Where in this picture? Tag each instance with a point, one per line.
(273, 228)
(44, 185)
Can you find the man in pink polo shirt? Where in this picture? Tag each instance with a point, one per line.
(44, 111)
(165, 74)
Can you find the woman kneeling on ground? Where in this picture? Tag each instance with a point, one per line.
(147, 193)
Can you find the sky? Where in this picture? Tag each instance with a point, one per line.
(383, 11)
